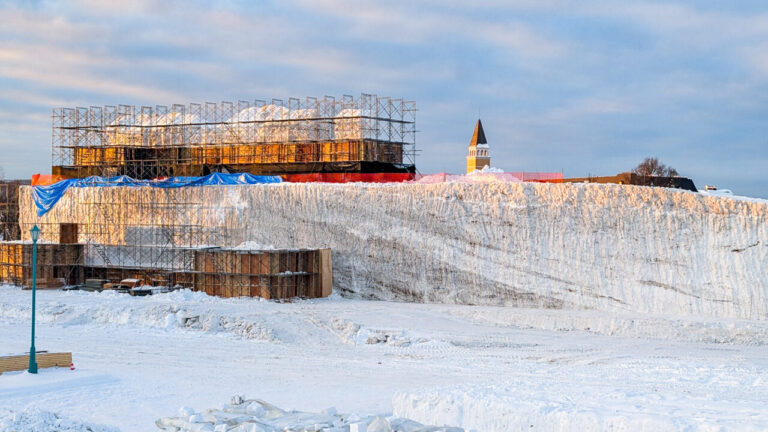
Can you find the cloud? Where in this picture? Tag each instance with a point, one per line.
(412, 25)
(559, 82)
(587, 107)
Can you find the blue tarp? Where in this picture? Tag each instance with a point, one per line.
(47, 196)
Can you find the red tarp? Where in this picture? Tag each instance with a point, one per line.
(349, 177)
(430, 178)
(491, 177)
(46, 179)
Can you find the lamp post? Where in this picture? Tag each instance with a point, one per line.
(35, 233)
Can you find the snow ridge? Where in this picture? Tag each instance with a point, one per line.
(566, 246)
(35, 420)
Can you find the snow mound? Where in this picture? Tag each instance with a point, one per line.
(544, 405)
(726, 193)
(32, 420)
(485, 175)
(487, 169)
(256, 415)
(616, 248)
(176, 310)
(253, 246)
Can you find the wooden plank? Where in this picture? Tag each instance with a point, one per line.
(316, 279)
(253, 288)
(245, 264)
(44, 360)
(243, 285)
(274, 263)
(264, 287)
(293, 257)
(208, 262)
(255, 263)
(326, 273)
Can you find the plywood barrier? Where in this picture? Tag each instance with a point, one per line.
(273, 274)
(43, 359)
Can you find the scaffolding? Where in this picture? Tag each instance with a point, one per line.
(152, 237)
(9, 209)
(365, 134)
(164, 237)
(57, 264)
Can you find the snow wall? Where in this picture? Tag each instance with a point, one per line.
(577, 246)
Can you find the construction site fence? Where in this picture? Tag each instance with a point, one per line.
(272, 274)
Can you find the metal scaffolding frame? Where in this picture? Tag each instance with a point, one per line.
(9, 209)
(148, 142)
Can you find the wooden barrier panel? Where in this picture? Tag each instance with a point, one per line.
(43, 359)
(326, 272)
(273, 274)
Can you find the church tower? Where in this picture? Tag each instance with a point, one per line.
(478, 157)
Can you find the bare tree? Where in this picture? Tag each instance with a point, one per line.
(652, 167)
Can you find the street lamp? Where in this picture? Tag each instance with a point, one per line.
(35, 233)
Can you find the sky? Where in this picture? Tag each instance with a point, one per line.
(583, 88)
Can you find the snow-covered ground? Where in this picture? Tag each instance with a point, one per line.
(478, 367)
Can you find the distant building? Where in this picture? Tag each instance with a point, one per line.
(478, 157)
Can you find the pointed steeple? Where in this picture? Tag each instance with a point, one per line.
(479, 136)
(478, 156)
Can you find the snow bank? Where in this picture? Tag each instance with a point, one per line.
(570, 246)
(259, 320)
(543, 405)
(198, 350)
(34, 420)
(726, 193)
(182, 309)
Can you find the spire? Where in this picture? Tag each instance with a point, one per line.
(479, 136)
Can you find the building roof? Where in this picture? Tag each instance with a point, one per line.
(479, 136)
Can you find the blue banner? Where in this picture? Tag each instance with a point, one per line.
(47, 196)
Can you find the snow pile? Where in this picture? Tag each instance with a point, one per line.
(260, 320)
(33, 420)
(485, 175)
(487, 170)
(542, 405)
(671, 327)
(246, 415)
(182, 309)
(566, 246)
(253, 246)
(726, 193)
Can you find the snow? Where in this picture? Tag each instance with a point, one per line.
(514, 406)
(487, 169)
(484, 175)
(138, 359)
(615, 248)
(727, 193)
(252, 246)
(33, 420)
(553, 306)
(255, 414)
